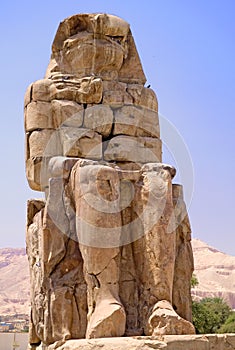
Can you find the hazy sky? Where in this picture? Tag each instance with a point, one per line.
(187, 50)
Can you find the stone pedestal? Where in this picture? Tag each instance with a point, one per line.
(168, 342)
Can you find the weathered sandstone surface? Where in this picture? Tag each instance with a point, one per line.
(110, 246)
(168, 342)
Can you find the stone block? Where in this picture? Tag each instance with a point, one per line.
(115, 94)
(33, 173)
(61, 166)
(116, 98)
(67, 113)
(114, 86)
(99, 118)
(33, 207)
(167, 342)
(136, 121)
(44, 143)
(142, 96)
(41, 90)
(133, 149)
(86, 90)
(37, 173)
(81, 142)
(38, 115)
(112, 26)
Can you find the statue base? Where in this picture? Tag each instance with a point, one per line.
(168, 342)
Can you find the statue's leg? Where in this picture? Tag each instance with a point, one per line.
(61, 311)
(132, 229)
(182, 300)
(98, 223)
(35, 209)
(158, 253)
(68, 307)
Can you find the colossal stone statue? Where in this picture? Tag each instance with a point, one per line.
(109, 247)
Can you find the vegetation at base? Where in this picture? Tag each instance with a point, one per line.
(210, 315)
(229, 325)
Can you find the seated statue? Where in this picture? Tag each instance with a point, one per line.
(109, 248)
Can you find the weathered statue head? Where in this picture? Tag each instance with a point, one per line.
(96, 45)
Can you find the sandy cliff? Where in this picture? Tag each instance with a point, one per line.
(215, 272)
(14, 281)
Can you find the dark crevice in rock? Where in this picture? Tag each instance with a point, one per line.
(95, 280)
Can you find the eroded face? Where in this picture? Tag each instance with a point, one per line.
(100, 45)
(86, 54)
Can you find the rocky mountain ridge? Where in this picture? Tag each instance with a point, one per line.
(14, 281)
(215, 272)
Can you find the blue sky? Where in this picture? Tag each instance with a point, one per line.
(188, 53)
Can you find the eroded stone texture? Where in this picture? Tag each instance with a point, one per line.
(63, 87)
(81, 142)
(99, 118)
(136, 121)
(164, 320)
(115, 94)
(182, 276)
(133, 149)
(109, 248)
(58, 288)
(167, 342)
(38, 116)
(67, 113)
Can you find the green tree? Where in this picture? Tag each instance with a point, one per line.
(209, 315)
(229, 325)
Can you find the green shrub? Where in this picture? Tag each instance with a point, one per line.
(209, 315)
(229, 325)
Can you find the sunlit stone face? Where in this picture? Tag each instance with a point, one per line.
(97, 46)
(88, 54)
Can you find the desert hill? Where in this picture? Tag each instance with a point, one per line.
(215, 272)
(14, 281)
